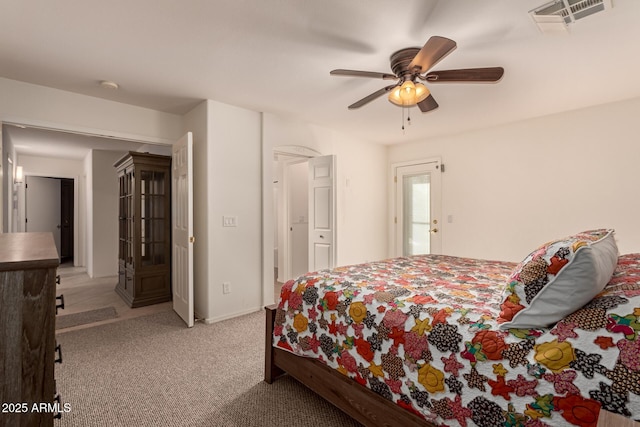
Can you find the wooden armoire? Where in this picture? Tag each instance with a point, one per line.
(144, 243)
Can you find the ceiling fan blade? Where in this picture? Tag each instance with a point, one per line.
(490, 74)
(356, 73)
(371, 97)
(431, 53)
(428, 104)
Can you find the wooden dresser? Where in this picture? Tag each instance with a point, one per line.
(28, 265)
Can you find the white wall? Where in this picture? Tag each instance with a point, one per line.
(234, 189)
(514, 187)
(196, 121)
(42, 106)
(104, 220)
(7, 187)
(362, 200)
(361, 191)
(88, 212)
(227, 178)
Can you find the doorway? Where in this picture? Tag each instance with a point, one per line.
(321, 216)
(417, 227)
(290, 212)
(49, 207)
(291, 216)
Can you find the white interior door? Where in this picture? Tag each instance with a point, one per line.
(182, 227)
(322, 212)
(417, 227)
(42, 206)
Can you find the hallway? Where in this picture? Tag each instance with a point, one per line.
(81, 293)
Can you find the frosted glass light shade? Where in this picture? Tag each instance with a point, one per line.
(408, 94)
(19, 175)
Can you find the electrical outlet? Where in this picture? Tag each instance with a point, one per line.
(226, 287)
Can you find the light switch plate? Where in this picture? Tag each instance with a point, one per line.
(229, 221)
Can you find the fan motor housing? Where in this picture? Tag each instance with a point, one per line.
(401, 59)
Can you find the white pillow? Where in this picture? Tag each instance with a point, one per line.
(557, 279)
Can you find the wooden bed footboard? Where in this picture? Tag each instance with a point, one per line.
(271, 371)
(362, 404)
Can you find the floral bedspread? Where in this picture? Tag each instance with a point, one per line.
(421, 331)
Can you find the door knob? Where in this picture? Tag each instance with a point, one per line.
(435, 230)
(321, 236)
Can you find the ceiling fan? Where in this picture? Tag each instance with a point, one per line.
(410, 65)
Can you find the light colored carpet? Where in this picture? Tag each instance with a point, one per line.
(153, 371)
(85, 317)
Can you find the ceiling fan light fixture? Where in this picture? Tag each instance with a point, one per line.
(408, 91)
(412, 64)
(421, 92)
(408, 94)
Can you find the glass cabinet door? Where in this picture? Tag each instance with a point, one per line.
(122, 217)
(152, 217)
(129, 209)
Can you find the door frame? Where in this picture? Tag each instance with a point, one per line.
(436, 209)
(286, 156)
(269, 216)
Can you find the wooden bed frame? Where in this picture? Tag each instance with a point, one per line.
(360, 403)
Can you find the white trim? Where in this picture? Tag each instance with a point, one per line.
(296, 151)
(216, 319)
(86, 131)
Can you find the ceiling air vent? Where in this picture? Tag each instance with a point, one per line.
(555, 16)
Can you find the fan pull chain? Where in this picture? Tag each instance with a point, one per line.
(408, 118)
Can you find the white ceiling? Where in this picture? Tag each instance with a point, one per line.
(275, 56)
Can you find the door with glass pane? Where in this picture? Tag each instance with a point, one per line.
(417, 216)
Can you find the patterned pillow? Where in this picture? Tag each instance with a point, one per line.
(557, 279)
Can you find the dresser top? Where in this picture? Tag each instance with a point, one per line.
(20, 251)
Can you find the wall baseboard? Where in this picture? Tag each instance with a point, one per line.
(211, 320)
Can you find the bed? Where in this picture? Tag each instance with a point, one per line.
(437, 340)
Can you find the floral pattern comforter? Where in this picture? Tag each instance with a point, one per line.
(421, 331)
